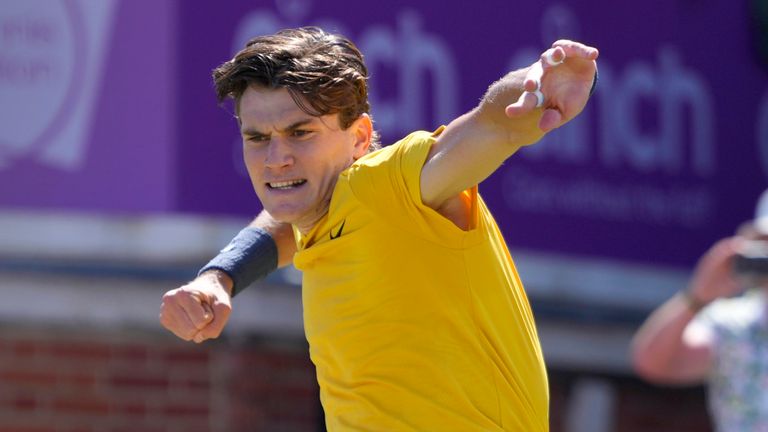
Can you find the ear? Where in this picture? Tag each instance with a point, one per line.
(363, 132)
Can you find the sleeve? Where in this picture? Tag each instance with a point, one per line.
(388, 184)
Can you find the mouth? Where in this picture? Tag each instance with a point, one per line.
(285, 185)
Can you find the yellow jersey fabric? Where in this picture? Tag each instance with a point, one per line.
(414, 324)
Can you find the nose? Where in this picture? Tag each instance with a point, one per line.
(279, 154)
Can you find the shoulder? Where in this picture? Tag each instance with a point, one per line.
(414, 145)
(388, 178)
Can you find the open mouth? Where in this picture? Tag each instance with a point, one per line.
(285, 185)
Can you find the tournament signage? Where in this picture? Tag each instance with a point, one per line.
(669, 155)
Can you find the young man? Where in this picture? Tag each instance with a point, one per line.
(414, 312)
(710, 332)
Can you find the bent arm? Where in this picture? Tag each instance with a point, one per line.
(474, 145)
(252, 261)
(670, 348)
(200, 309)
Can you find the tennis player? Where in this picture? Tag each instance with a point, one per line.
(415, 315)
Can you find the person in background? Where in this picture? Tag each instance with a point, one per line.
(716, 330)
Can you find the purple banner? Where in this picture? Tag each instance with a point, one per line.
(669, 155)
(86, 105)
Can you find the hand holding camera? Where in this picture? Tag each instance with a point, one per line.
(752, 259)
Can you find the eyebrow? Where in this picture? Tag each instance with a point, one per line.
(291, 127)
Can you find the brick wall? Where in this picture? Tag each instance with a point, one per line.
(273, 389)
(644, 407)
(54, 381)
(71, 380)
(637, 405)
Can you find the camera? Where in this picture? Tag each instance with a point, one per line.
(752, 260)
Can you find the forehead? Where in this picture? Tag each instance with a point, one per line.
(259, 104)
(265, 109)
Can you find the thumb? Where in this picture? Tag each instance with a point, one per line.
(208, 315)
(220, 314)
(550, 119)
(525, 104)
(200, 316)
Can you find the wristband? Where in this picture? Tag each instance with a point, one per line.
(694, 304)
(249, 257)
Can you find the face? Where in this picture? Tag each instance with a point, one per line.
(293, 158)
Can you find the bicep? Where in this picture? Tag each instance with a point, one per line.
(693, 360)
(466, 153)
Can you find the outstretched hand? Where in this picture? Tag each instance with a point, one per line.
(199, 310)
(559, 83)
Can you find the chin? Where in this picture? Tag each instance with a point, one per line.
(283, 215)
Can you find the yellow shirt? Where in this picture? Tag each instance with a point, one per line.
(414, 324)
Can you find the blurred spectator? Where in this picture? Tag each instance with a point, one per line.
(716, 331)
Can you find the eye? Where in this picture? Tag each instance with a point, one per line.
(257, 139)
(300, 133)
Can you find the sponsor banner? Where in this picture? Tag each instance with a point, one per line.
(86, 120)
(669, 155)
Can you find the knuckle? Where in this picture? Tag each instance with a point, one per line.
(212, 333)
(171, 296)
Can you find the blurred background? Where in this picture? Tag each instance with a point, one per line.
(120, 176)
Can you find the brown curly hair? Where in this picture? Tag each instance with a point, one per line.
(324, 73)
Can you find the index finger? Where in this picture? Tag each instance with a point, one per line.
(200, 336)
(196, 309)
(216, 326)
(576, 49)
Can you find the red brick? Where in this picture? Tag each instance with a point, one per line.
(79, 380)
(187, 356)
(199, 383)
(139, 381)
(26, 348)
(144, 428)
(27, 429)
(81, 351)
(251, 360)
(28, 377)
(249, 418)
(82, 405)
(132, 353)
(24, 403)
(135, 409)
(196, 410)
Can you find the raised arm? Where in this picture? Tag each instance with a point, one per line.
(200, 309)
(508, 117)
(670, 347)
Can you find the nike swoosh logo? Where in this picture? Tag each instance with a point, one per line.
(338, 233)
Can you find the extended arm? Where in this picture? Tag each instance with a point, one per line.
(474, 145)
(672, 348)
(200, 309)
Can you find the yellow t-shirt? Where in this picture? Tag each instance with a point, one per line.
(414, 324)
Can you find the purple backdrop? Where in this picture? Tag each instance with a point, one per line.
(670, 154)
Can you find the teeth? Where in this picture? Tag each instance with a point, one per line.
(285, 184)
